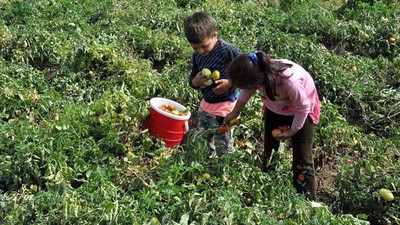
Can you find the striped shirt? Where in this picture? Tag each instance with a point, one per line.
(218, 59)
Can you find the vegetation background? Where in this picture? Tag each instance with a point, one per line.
(76, 77)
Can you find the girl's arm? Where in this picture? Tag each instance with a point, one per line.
(235, 112)
(241, 102)
(301, 104)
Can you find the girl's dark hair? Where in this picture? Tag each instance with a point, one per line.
(198, 26)
(245, 74)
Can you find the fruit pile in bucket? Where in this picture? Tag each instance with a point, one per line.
(171, 109)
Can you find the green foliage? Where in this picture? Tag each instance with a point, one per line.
(372, 171)
(75, 77)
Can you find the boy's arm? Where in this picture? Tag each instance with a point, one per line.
(223, 85)
(195, 70)
(233, 52)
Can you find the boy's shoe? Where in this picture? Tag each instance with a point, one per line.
(213, 154)
(315, 204)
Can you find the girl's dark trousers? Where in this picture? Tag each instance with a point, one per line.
(302, 142)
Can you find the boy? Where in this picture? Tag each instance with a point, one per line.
(219, 98)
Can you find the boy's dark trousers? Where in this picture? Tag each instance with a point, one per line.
(302, 142)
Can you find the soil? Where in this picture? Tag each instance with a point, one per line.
(325, 181)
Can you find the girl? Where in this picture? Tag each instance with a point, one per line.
(290, 98)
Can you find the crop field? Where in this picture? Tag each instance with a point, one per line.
(75, 82)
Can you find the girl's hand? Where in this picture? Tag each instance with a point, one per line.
(230, 116)
(235, 112)
(285, 135)
(223, 86)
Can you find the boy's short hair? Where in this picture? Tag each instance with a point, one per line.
(198, 26)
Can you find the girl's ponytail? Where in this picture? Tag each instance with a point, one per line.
(270, 69)
(269, 75)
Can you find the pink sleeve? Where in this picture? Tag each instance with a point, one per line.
(301, 104)
(245, 94)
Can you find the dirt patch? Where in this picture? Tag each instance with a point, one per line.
(193, 122)
(325, 181)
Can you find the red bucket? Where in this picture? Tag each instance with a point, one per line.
(167, 126)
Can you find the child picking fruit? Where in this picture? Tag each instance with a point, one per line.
(210, 61)
(290, 97)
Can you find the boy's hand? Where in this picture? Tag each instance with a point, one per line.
(200, 80)
(222, 86)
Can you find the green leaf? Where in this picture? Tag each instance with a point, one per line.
(362, 216)
(184, 219)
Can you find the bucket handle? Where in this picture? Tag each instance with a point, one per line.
(186, 127)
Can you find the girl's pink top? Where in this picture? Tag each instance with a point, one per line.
(296, 95)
